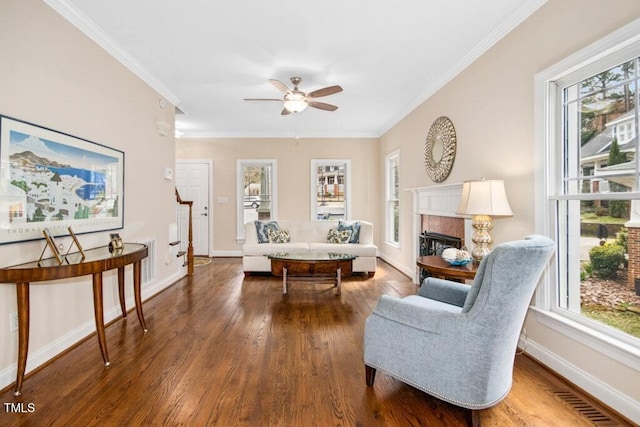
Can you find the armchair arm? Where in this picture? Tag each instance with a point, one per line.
(453, 293)
(409, 311)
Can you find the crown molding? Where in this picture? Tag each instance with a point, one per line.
(95, 33)
(505, 27)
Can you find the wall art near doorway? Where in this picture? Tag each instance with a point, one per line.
(52, 180)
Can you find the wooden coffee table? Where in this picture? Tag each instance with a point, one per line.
(312, 267)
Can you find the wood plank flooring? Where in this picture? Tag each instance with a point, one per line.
(225, 350)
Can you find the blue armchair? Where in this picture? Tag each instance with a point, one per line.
(458, 342)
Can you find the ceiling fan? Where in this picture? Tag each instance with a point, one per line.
(296, 101)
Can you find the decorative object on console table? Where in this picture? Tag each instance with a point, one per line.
(82, 180)
(440, 149)
(51, 244)
(77, 243)
(484, 200)
(116, 243)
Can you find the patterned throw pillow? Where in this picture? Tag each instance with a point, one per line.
(354, 227)
(338, 236)
(279, 236)
(263, 227)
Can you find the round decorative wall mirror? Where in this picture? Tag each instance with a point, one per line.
(440, 149)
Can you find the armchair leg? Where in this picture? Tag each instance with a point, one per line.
(473, 417)
(370, 375)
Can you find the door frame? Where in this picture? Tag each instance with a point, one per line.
(209, 163)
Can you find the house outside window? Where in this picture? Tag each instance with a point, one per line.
(256, 192)
(392, 174)
(331, 189)
(591, 191)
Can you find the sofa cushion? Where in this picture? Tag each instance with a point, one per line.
(354, 227)
(262, 229)
(279, 236)
(338, 236)
(263, 249)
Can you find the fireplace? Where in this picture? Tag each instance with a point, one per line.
(431, 243)
(434, 211)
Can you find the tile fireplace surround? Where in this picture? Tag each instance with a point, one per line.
(438, 201)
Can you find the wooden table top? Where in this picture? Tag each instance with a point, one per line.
(438, 267)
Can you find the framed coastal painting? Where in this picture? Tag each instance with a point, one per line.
(52, 180)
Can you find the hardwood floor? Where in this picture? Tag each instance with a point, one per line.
(225, 350)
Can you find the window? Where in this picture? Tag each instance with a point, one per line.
(392, 173)
(256, 192)
(591, 186)
(331, 189)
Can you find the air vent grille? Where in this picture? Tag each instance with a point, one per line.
(584, 408)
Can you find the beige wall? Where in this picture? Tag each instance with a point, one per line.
(491, 105)
(54, 76)
(293, 170)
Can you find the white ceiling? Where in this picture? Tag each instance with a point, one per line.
(206, 56)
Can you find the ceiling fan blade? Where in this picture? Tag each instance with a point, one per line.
(278, 84)
(322, 106)
(285, 112)
(263, 99)
(325, 91)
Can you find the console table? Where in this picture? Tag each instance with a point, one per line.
(96, 261)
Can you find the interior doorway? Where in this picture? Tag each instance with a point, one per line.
(194, 183)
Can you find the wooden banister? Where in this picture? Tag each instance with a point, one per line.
(190, 244)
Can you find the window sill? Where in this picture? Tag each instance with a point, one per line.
(602, 343)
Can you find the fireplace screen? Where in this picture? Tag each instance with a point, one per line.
(433, 244)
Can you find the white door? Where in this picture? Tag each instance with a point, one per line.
(193, 179)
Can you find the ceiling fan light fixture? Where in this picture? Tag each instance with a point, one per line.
(295, 102)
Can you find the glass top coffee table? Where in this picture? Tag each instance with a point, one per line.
(312, 267)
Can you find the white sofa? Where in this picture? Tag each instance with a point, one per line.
(309, 236)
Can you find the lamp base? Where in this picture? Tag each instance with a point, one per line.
(481, 237)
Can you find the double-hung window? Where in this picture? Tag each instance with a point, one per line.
(591, 186)
(256, 192)
(392, 173)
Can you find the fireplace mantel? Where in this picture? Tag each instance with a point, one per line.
(440, 200)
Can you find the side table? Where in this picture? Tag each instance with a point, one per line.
(438, 267)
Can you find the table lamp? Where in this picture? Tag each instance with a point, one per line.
(483, 200)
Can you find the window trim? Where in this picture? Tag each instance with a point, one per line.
(609, 50)
(313, 198)
(389, 231)
(240, 164)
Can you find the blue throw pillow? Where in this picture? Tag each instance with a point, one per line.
(262, 229)
(354, 227)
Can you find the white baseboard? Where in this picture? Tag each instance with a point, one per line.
(624, 404)
(51, 350)
(227, 254)
(399, 266)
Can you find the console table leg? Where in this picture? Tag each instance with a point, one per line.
(137, 273)
(22, 292)
(123, 305)
(339, 280)
(99, 316)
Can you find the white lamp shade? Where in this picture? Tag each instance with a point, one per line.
(484, 197)
(295, 102)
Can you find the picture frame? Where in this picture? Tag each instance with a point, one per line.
(51, 244)
(53, 180)
(116, 243)
(77, 243)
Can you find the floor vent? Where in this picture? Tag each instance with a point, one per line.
(584, 408)
(149, 263)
